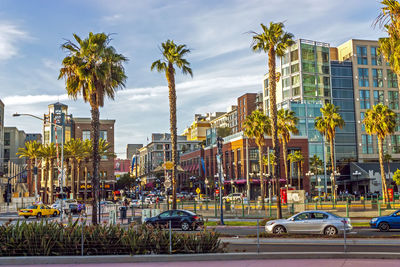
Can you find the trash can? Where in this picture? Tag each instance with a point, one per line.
(122, 212)
(227, 205)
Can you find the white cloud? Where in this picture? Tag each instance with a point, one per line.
(10, 35)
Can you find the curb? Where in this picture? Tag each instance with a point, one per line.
(194, 257)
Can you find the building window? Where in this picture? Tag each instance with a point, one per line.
(363, 77)
(362, 55)
(375, 59)
(377, 77)
(393, 97)
(378, 97)
(85, 135)
(392, 79)
(6, 139)
(396, 144)
(367, 147)
(362, 117)
(103, 135)
(364, 99)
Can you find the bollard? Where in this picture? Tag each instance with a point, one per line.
(194, 204)
(269, 209)
(258, 238)
(347, 209)
(215, 204)
(242, 208)
(82, 240)
(206, 204)
(170, 238)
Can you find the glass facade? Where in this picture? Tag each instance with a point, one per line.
(362, 58)
(363, 80)
(392, 79)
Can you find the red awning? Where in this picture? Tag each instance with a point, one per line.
(240, 181)
(196, 167)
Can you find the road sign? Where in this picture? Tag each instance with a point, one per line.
(168, 165)
(167, 183)
(217, 191)
(198, 190)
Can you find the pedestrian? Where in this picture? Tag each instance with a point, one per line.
(79, 207)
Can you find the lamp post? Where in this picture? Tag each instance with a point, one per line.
(309, 174)
(356, 174)
(319, 189)
(62, 159)
(334, 190)
(192, 179)
(219, 160)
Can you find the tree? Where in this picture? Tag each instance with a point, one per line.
(299, 159)
(94, 70)
(73, 149)
(396, 177)
(256, 126)
(380, 121)
(224, 131)
(88, 148)
(125, 181)
(287, 122)
(172, 56)
(291, 158)
(316, 164)
(48, 153)
(326, 125)
(274, 41)
(387, 158)
(31, 152)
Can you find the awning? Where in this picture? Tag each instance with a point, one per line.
(196, 167)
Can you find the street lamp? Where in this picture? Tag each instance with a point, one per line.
(356, 174)
(333, 174)
(220, 141)
(62, 158)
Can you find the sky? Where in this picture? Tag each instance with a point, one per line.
(216, 32)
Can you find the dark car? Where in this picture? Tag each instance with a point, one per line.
(184, 219)
(71, 208)
(385, 223)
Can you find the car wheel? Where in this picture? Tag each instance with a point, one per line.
(279, 229)
(383, 227)
(26, 217)
(55, 214)
(39, 215)
(330, 231)
(185, 226)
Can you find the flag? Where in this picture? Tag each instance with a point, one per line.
(203, 165)
(133, 162)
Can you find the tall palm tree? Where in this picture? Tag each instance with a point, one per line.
(380, 120)
(48, 153)
(388, 158)
(31, 152)
(291, 158)
(172, 56)
(274, 41)
(94, 70)
(326, 125)
(88, 148)
(299, 159)
(287, 122)
(73, 148)
(256, 126)
(81, 155)
(271, 163)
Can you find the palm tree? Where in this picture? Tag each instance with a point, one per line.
(31, 152)
(48, 154)
(274, 41)
(287, 122)
(256, 126)
(73, 148)
(172, 55)
(326, 125)
(81, 155)
(291, 158)
(299, 159)
(270, 164)
(88, 148)
(316, 164)
(388, 158)
(94, 70)
(380, 120)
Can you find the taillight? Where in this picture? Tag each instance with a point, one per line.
(196, 217)
(30, 210)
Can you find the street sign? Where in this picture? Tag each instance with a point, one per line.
(198, 190)
(167, 183)
(217, 191)
(319, 186)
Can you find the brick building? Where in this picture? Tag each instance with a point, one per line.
(246, 105)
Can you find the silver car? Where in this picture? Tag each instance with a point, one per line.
(310, 222)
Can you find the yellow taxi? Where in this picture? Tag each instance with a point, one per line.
(38, 210)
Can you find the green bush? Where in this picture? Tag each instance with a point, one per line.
(54, 239)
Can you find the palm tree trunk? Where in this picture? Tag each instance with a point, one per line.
(86, 175)
(96, 159)
(290, 170)
(274, 124)
(172, 114)
(298, 175)
(51, 181)
(46, 179)
(261, 178)
(333, 169)
(78, 177)
(73, 178)
(285, 159)
(383, 176)
(29, 178)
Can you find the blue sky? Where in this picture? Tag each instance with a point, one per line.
(224, 67)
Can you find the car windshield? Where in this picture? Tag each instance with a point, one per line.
(396, 213)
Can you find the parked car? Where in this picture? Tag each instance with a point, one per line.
(57, 204)
(71, 208)
(266, 200)
(385, 223)
(310, 222)
(233, 197)
(38, 211)
(184, 219)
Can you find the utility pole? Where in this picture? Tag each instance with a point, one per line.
(220, 141)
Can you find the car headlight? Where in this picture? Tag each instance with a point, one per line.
(270, 223)
(374, 220)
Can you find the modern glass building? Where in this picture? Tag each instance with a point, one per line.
(346, 138)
